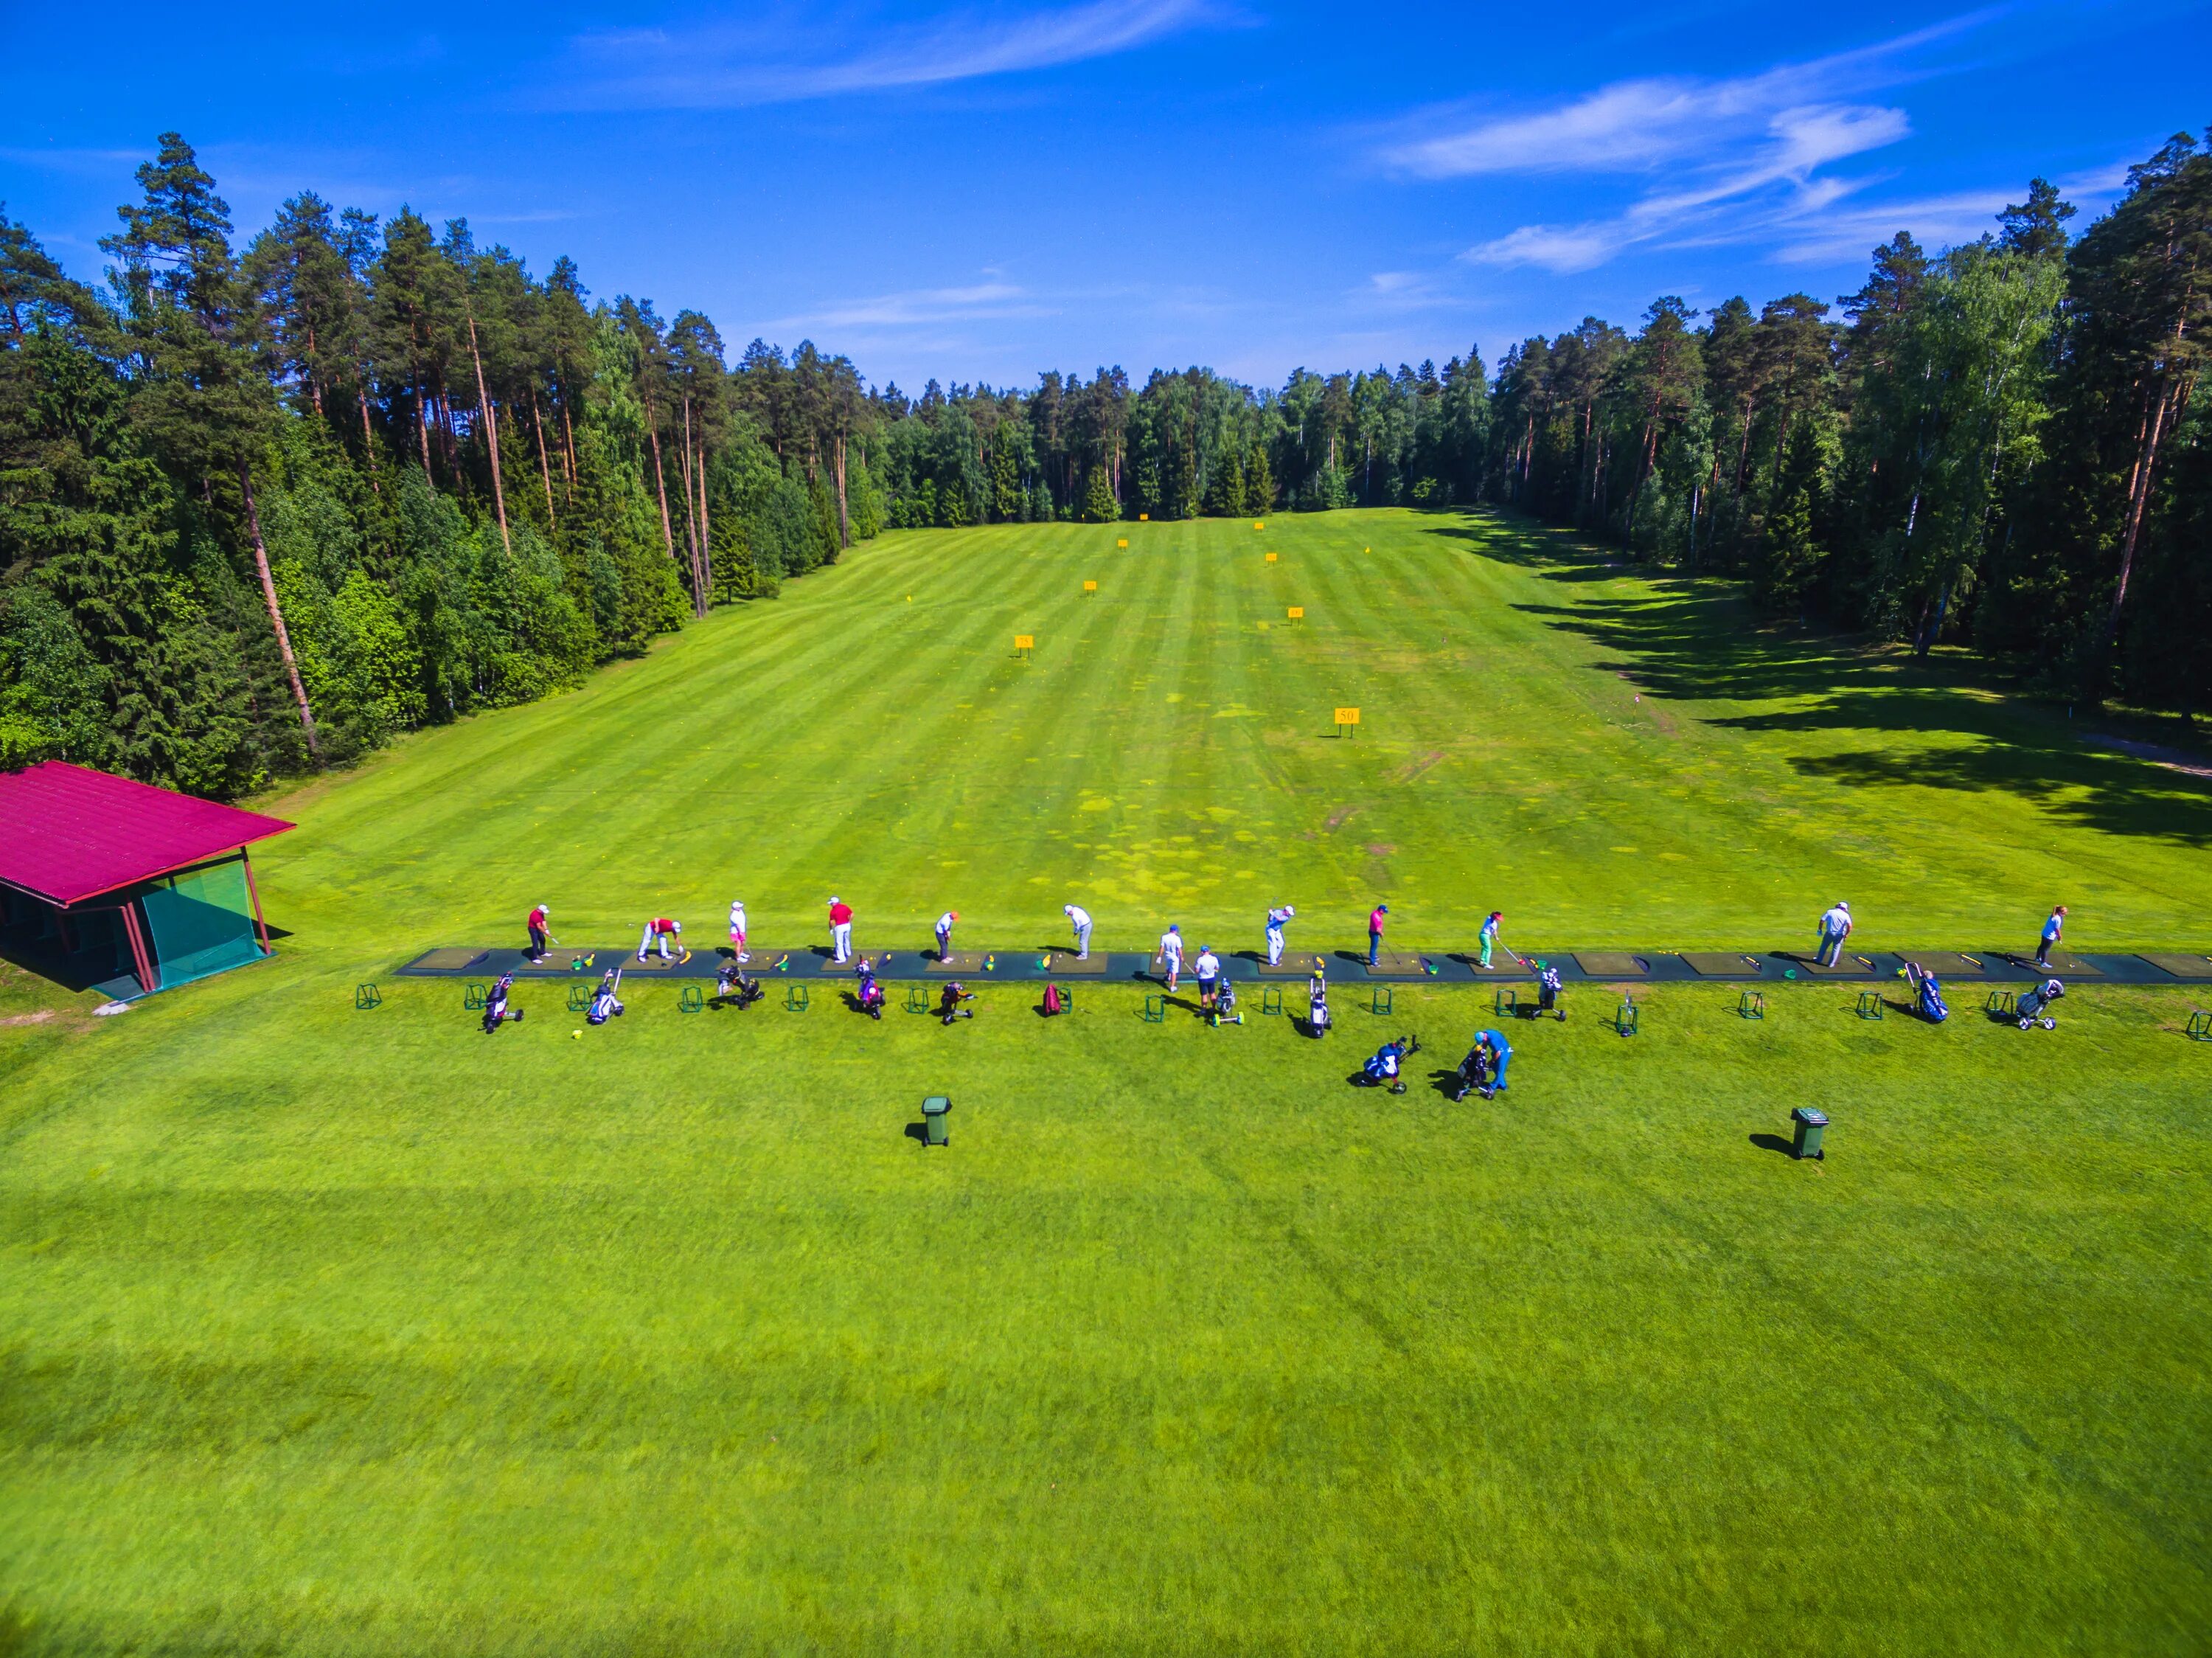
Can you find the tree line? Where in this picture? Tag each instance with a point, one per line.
(261, 509)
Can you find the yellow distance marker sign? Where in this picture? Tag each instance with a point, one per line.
(1123, 542)
(1091, 586)
(1024, 644)
(1144, 518)
(1271, 557)
(1257, 525)
(1298, 614)
(1346, 719)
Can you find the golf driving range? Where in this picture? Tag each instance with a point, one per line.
(335, 1324)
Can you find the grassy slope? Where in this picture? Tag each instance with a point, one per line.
(359, 1333)
(1164, 757)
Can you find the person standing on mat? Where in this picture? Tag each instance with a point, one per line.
(1377, 919)
(1276, 918)
(841, 929)
(1080, 919)
(738, 929)
(1835, 928)
(1497, 919)
(1171, 954)
(539, 918)
(945, 923)
(660, 930)
(2053, 930)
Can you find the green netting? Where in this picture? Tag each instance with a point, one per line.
(203, 924)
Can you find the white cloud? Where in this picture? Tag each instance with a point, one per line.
(1942, 221)
(1730, 161)
(917, 308)
(728, 65)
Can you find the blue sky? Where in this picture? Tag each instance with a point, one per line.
(982, 191)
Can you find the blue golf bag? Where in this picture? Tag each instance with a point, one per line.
(1932, 1007)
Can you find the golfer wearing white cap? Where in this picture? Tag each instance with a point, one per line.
(1080, 919)
(1276, 918)
(1835, 928)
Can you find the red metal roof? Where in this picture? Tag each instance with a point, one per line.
(68, 834)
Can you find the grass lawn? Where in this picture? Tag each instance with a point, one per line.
(340, 1332)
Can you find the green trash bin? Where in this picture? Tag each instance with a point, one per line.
(1808, 1122)
(932, 1117)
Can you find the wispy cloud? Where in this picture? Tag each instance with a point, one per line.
(726, 64)
(918, 307)
(1735, 159)
(1939, 221)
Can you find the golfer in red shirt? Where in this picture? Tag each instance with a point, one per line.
(538, 919)
(841, 929)
(660, 930)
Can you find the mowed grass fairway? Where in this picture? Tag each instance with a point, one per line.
(329, 1332)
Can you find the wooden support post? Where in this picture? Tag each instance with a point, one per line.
(147, 979)
(254, 892)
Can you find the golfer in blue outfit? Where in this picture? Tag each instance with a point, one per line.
(1501, 1052)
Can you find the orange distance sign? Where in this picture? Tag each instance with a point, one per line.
(1257, 525)
(1271, 557)
(1298, 614)
(1091, 586)
(1123, 542)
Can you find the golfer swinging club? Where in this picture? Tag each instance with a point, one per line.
(540, 918)
(1489, 936)
(1080, 919)
(1276, 918)
(945, 923)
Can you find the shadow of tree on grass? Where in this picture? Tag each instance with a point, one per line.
(1688, 639)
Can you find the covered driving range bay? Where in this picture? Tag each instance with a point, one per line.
(118, 886)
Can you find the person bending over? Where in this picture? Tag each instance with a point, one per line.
(658, 931)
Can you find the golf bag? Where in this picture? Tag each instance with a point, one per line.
(871, 997)
(1547, 995)
(603, 1006)
(2033, 1006)
(495, 1011)
(1473, 1070)
(734, 984)
(1053, 1001)
(1931, 1000)
(948, 1003)
(1382, 1070)
(1318, 1014)
(1224, 1006)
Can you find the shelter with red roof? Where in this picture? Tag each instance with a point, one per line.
(117, 886)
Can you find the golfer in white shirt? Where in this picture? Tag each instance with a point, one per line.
(1835, 928)
(1080, 919)
(1171, 953)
